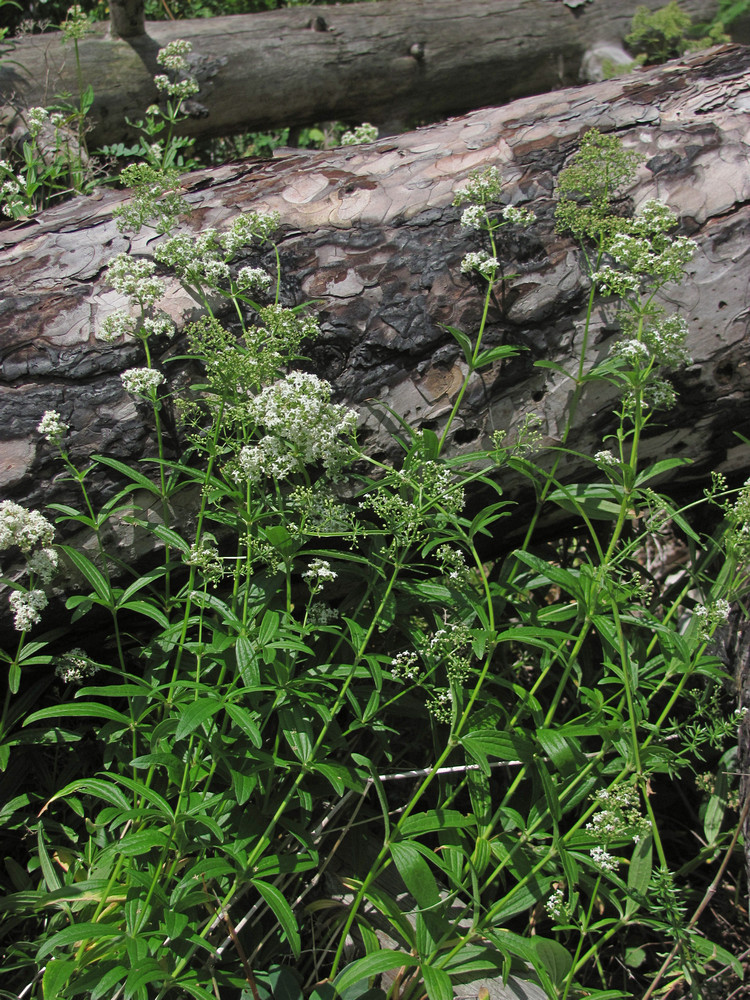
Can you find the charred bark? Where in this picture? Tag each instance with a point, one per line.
(393, 63)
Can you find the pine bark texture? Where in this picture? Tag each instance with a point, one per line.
(370, 233)
(394, 62)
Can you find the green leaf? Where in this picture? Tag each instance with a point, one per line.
(146, 971)
(463, 342)
(484, 743)
(147, 610)
(283, 913)
(56, 976)
(88, 709)
(269, 628)
(247, 662)
(245, 721)
(90, 573)
(132, 474)
(496, 354)
(436, 819)
(415, 873)
(77, 933)
(556, 960)
(372, 965)
(602, 503)
(437, 982)
(195, 714)
(639, 871)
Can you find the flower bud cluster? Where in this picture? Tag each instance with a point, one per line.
(362, 133)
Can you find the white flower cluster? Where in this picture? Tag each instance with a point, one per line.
(605, 458)
(518, 216)
(44, 563)
(711, 617)
(619, 814)
(172, 57)
(602, 860)
(36, 118)
(666, 341)
(135, 278)
(405, 666)
(482, 187)
(480, 260)
(556, 906)
(253, 279)
(453, 563)
(318, 573)
(141, 381)
(119, 323)
(25, 528)
(199, 259)
(302, 428)
(653, 218)
(474, 217)
(159, 325)
(248, 227)
(610, 281)
(26, 606)
(74, 666)
(362, 133)
(52, 426)
(28, 530)
(633, 351)
(659, 258)
(658, 393)
(10, 190)
(321, 614)
(204, 555)
(76, 23)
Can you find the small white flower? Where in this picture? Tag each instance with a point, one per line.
(518, 216)
(158, 326)
(362, 133)
(26, 607)
(141, 381)
(52, 426)
(480, 260)
(118, 324)
(253, 279)
(74, 666)
(319, 572)
(172, 56)
(474, 217)
(135, 278)
(603, 861)
(36, 118)
(605, 458)
(24, 528)
(44, 563)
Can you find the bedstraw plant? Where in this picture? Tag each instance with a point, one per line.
(321, 738)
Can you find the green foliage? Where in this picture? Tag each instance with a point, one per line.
(669, 32)
(321, 672)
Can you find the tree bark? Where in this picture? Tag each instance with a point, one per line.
(370, 234)
(390, 62)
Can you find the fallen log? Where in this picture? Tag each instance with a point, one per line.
(389, 62)
(370, 233)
